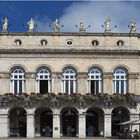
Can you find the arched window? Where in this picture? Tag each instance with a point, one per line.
(95, 43)
(17, 77)
(120, 84)
(94, 80)
(43, 42)
(18, 42)
(43, 79)
(69, 80)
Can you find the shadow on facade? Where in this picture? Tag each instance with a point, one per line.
(17, 118)
(94, 122)
(119, 115)
(69, 122)
(44, 122)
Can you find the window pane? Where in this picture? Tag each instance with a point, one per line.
(117, 86)
(122, 86)
(67, 86)
(15, 87)
(97, 86)
(15, 76)
(71, 86)
(43, 86)
(92, 86)
(20, 86)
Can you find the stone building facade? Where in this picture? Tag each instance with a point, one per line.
(69, 64)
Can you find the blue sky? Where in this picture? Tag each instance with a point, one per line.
(93, 13)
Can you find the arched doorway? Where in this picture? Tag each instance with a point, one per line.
(69, 123)
(119, 115)
(94, 122)
(17, 117)
(44, 122)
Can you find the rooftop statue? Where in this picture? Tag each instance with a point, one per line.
(133, 27)
(107, 25)
(5, 25)
(81, 26)
(56, 26)
(31, 25)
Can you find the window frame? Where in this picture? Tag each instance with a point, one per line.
(17, 80)
(95, 75)
(120, 81)
(43, 73)
(69, 81)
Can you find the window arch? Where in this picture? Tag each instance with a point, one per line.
(94, 80)
(69, 80)
(43, 80)
(120, 81)
(17, 77)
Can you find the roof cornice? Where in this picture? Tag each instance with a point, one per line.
(67, 34)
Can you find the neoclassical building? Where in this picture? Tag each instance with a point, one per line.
(58, 84)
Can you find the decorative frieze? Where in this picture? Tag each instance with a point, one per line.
(82, 75)
(107, 75)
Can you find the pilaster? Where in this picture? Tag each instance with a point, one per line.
(82, 83)
(82, 126)
(56, 82)
(30, 126)
(4, 125)
(107, 125)
(107, 83)
(30, 84)
(56, 125)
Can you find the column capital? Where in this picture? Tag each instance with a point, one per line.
(55, 114)
(30, 114)
(82, 115)
(107, 114)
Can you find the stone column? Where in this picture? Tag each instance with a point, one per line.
(56, 125)
(82, 126)
(107, 125)
(4, 126)
(30, 126)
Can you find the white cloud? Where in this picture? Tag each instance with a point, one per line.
(43, 24)
(94, 14)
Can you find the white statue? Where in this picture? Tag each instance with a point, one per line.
(56, 25)
(5, 24)
(31, 24)
(82, 26)
(133, 26)
(107, 25)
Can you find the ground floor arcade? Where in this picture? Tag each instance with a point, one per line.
(69, 121)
